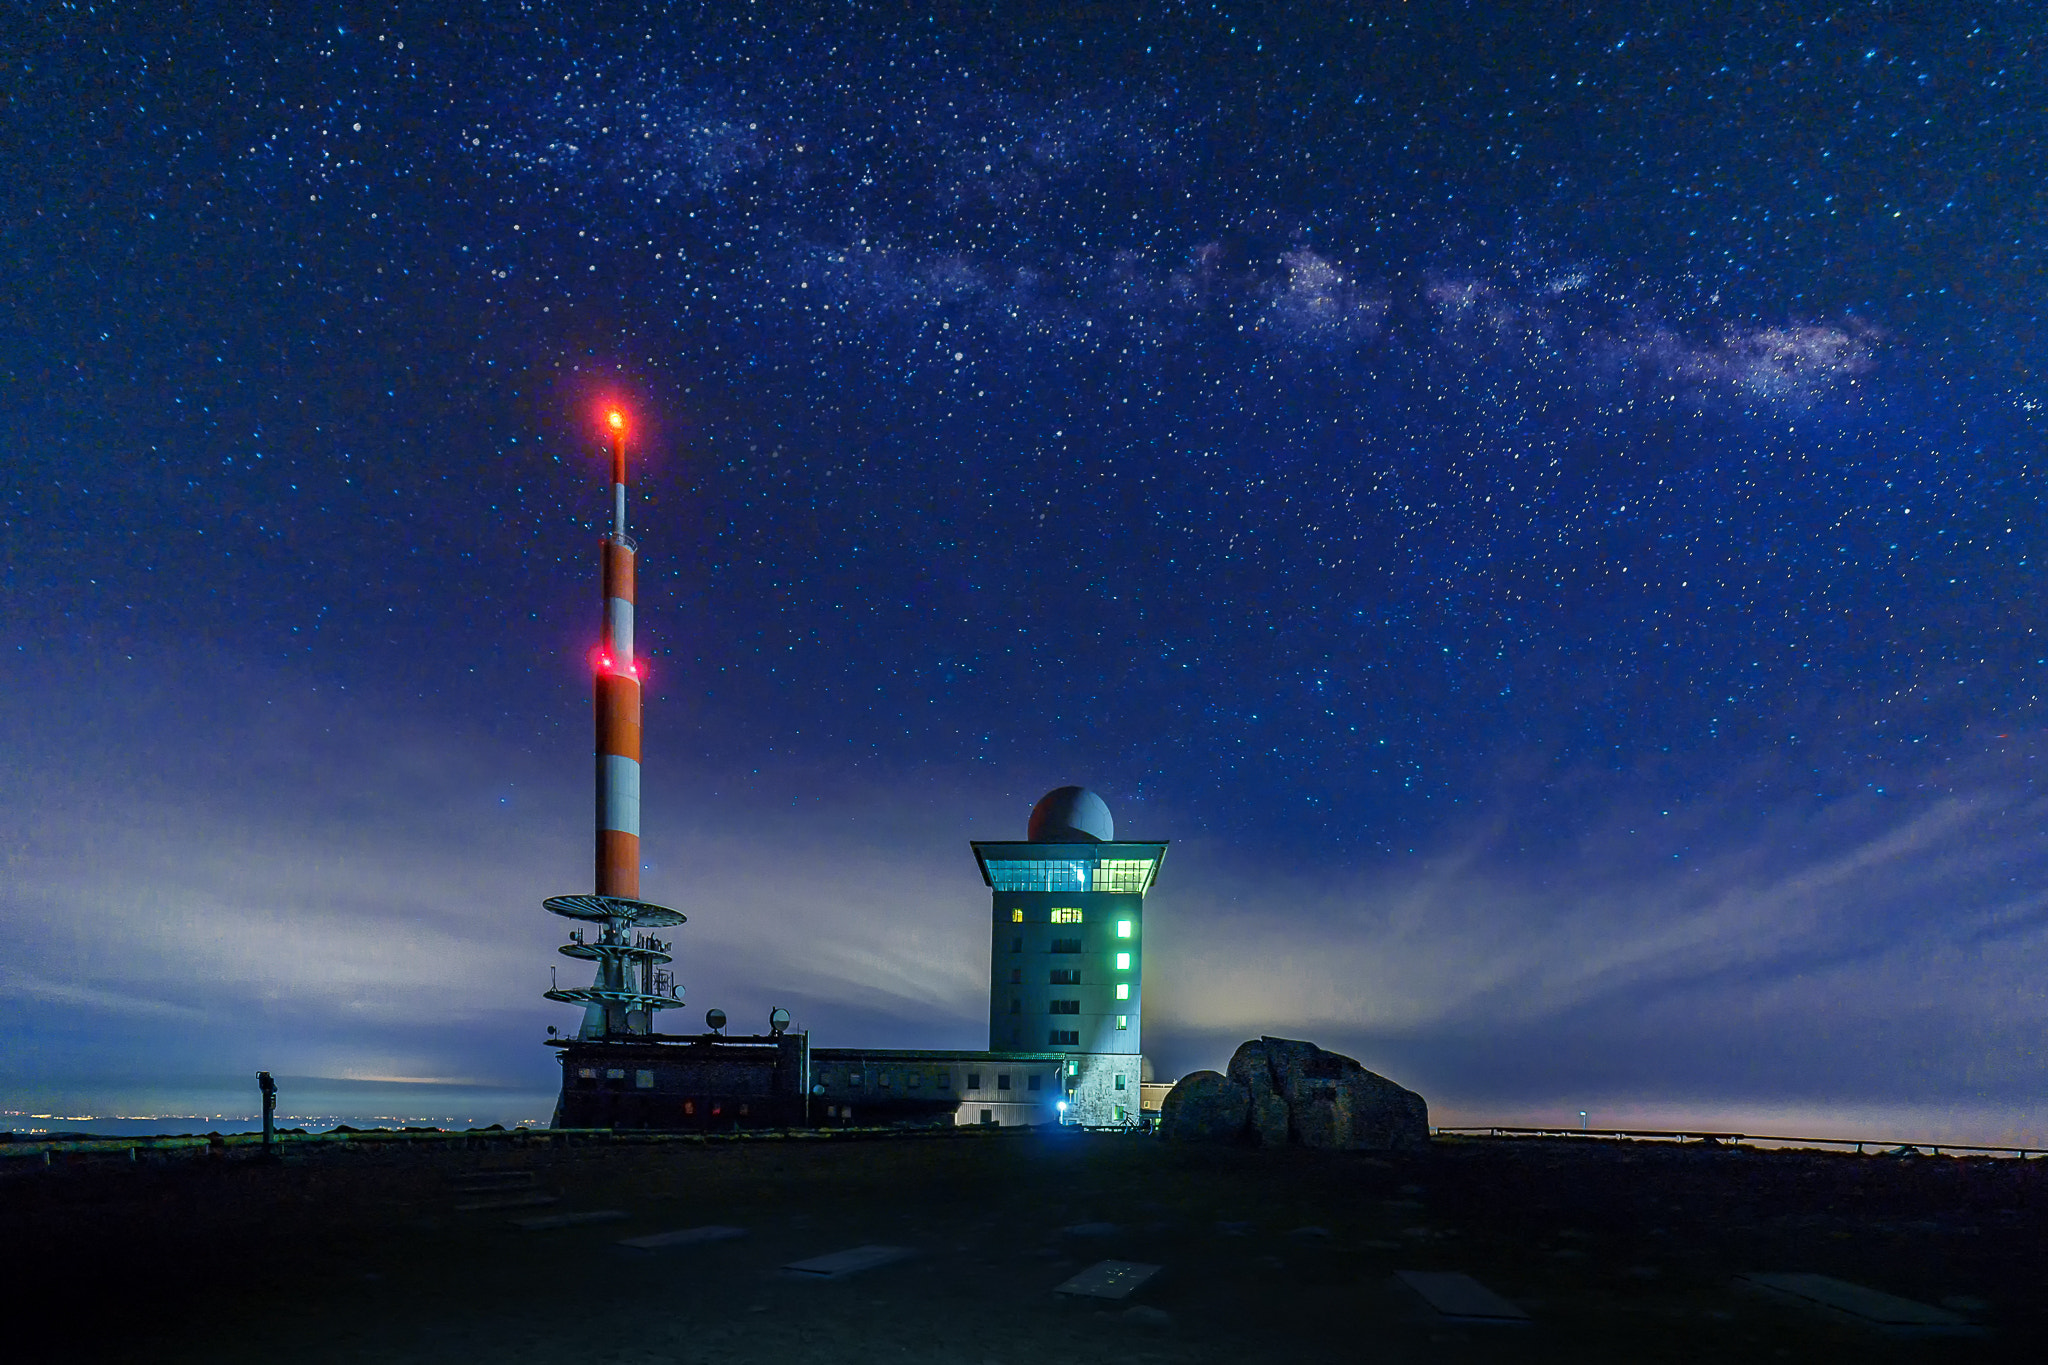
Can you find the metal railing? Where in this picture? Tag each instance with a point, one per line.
(1888, 1147)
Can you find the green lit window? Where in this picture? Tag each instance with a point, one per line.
(1073, 1068)
(1123, 928)
(1123, 962)
(1119, 1080)
(1120, 1114)
(1123, 1021)
(1016, 917)
(1066, 916)
(1123, 990)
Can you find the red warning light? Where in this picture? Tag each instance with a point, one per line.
(615, 419)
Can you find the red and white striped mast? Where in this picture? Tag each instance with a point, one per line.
(618, 699)
(629, 988)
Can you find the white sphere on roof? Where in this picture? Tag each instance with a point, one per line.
(1071, 815)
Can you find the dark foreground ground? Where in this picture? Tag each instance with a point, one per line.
(1618, 1252)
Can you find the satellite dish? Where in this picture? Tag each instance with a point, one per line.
(716, 1019)
(778, 1020)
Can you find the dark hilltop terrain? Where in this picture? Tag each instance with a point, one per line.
(378, 1252)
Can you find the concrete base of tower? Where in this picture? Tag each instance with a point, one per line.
(1102, 1089)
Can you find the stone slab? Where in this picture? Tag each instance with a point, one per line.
(1109, 1280)
(849, 1262)
(1866, 1305)
(516, 1201)
(549, 1221)
(481, 1181)
(661, 1241)
(1460, 1298)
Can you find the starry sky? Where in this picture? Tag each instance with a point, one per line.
(1539, 502)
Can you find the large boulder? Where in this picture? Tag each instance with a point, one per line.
(1269, 1125)
(1204, 1107)
(1330, 1100)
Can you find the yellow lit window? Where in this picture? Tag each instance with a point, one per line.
(1123, 990)
(1123, 928)
(1123, 962)
(1066, 917)
(1016, 917)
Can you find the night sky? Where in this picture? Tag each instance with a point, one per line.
(1540, 503)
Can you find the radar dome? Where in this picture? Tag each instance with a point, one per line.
(1071, 815)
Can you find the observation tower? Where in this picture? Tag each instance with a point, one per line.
(1067, 948)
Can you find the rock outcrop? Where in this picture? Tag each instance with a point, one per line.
(1204, 1106)
(1285, 1092)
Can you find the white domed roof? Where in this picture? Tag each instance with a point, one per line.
(1071, 815)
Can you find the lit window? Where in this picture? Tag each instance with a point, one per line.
(1119, 1080)
(1123, 928)
(1073, 1068)
(1123, 990)
(1123, 876)
(1066, 917)
(643, 1080)
(1123, 962)
(1123, 1021)
(1119, 1113)
(1016, 917)
(588, 1073)
(1040, 875)
(616, 1073)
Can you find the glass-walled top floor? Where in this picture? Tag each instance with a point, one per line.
(1119, 868)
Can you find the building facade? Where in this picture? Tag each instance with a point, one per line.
(860, 1086)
